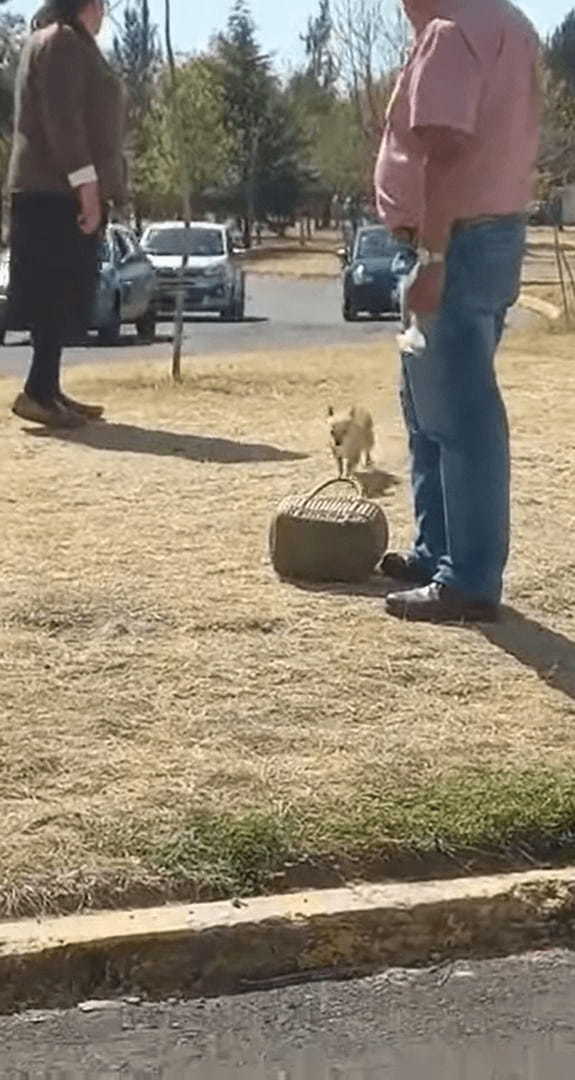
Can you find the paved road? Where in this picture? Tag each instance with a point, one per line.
(281, 313)
(508, 1019)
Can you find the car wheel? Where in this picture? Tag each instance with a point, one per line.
(109, 333)
(146, 327)
(349, 311)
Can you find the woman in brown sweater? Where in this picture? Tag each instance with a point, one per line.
(67, 167)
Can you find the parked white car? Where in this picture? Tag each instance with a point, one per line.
(213, 280)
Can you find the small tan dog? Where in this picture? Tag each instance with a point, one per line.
(351, 435)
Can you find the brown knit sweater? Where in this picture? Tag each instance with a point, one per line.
(70, 114)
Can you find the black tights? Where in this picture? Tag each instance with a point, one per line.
(53, 281)
(43, 383)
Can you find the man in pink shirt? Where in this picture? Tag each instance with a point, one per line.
(453, 179)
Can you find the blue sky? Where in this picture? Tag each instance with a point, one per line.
(196, 20)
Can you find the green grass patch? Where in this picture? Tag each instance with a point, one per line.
(507, 816)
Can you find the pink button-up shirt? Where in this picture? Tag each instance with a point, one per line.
(473, 69)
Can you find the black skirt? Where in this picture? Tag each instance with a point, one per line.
(53, 265)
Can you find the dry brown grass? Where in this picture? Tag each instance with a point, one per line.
(152, 668)
(293, 261)
(540, 272)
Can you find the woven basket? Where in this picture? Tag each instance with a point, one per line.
(320, 537)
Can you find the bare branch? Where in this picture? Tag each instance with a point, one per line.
(372, 39)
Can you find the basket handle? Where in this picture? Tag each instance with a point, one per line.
(336, 480)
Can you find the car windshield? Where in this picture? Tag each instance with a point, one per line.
(376, 244)
(184, 242)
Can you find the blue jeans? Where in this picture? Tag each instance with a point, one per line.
(455, 416)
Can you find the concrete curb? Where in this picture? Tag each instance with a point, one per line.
(224, 947)
(540, 307)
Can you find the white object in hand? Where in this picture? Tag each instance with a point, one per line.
(412, 340)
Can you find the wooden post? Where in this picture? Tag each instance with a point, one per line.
(560, 268)
(181, 285)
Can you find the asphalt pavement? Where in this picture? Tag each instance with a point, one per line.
(281, 313)
(504, 1019)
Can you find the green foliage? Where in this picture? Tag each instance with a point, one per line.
(560, 52)
(138, 59)
(187, 145)
(244, 73)
(557, 149)
(12, 33)
(321, 64)
(336, 147)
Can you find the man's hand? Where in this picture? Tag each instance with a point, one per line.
(90, 216)
(425, 293)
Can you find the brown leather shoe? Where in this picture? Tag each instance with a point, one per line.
(53, 414)
(402, 568)
(438, 603)
(91, 412)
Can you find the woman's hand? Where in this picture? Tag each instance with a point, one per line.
(90, 217)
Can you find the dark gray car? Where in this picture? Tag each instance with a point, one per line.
(373, 271)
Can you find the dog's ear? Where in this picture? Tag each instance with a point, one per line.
(330, 411)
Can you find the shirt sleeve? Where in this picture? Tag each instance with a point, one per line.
(61, 78)
(446, 81)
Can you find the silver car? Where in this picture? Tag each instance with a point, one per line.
(213, 280)
(126, 289)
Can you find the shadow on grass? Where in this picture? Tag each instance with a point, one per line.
(550, 654)
(375, 482)
(127, 438)
(377, 587)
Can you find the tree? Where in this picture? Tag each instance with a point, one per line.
(557, 150)
(187, 145)
(373, 38)
(321, 67)
(287, 181)
(560, 52)
(12, 34)
(247, 82)
(336, 150)
(137, 56)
